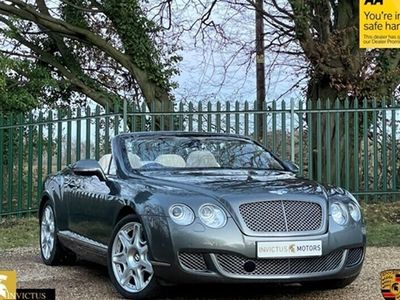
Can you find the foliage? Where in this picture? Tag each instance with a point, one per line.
(25, 85)
(100, 50)
(133, 34)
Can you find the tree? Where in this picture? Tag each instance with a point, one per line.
(328, 34)
(323, 36)
(260, 69)
(101, 50)
(23, 84)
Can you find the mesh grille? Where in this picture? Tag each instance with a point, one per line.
(282, 216)
(192, 261)
(233, 264)
(354, 257)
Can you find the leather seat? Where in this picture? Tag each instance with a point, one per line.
(171, 160)
(201, 159)
(107, 163)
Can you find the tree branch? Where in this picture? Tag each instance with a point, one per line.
(27, 12)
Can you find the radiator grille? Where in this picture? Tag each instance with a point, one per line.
(192, 261)
(234, 264)
(354, 257)
(282, 216)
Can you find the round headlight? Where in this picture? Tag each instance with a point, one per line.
(212, 216)
(181, 214)
(355, 212)
(338, 213)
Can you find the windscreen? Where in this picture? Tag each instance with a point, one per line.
(198, 153)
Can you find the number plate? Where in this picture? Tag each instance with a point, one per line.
(289, 249)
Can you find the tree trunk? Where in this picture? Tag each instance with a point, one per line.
(329, 138)
(161, 117)
(260, 62)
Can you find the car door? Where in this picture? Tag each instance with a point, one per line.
(90, 203)
(80, 194)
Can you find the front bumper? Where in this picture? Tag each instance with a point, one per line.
(196, 253)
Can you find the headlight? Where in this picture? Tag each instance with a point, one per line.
(355, 212)
(339, 213)
(212, 216)
(181, 214)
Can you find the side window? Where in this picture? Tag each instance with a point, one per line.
(107, 163)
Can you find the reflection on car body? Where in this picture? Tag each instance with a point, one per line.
(185, 207)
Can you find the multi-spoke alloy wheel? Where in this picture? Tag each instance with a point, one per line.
(129, 264)
(47, 231)
(51, 250)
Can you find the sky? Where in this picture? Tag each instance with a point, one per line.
(201, 78)
(219, 63)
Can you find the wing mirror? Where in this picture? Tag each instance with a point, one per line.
(291, 166)
(89, 167)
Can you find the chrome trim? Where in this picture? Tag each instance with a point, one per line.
(75, 237)
(323, 228)
(160, 263)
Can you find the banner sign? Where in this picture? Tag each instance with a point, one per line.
(379, 23)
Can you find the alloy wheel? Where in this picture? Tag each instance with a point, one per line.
(47, 232)
(129, 258)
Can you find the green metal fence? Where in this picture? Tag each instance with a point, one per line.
(354, 144)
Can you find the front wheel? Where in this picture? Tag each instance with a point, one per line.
(128, 261)
(51, 250)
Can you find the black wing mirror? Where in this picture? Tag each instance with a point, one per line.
(291, 166)
(89, 167)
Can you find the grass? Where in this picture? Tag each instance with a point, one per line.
(383, 235)
(18, 232)
(382, 219)
(383, 223)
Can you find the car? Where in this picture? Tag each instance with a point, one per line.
(185, 207)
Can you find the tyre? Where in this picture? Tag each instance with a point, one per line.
(330, 284)
(51, 250)
(128, 261)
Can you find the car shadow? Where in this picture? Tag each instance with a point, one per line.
(235, 291)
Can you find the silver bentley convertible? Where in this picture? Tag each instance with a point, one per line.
(183, 207)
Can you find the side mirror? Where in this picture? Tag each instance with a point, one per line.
(291, 166)
(89, 167)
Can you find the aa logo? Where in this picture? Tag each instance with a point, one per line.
(8, 285)
(373, 2)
